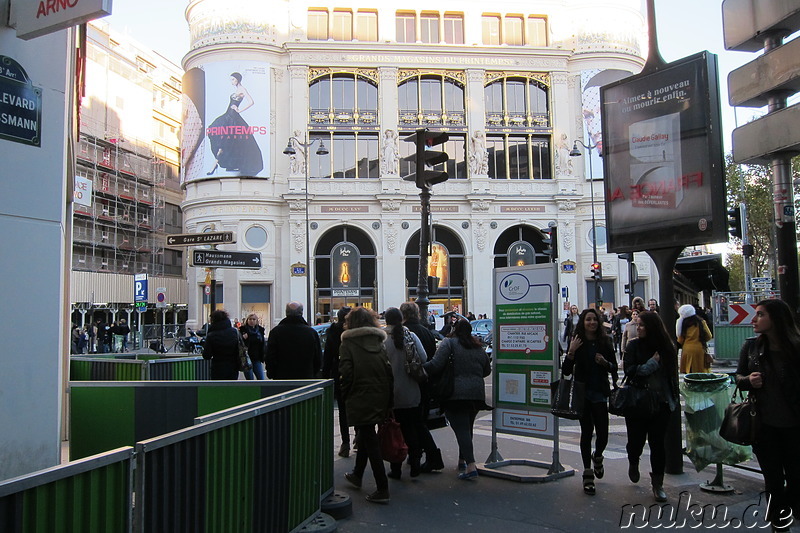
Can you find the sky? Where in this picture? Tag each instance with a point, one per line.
(685, 27)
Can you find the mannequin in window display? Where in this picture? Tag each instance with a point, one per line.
(233, 147)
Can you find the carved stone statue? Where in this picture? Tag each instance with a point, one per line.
(390, 160)
(478, 156)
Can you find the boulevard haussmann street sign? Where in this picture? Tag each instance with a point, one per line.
(220, 259)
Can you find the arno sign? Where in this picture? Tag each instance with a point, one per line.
(20, 105)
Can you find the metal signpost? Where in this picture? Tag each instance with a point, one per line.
(525, 364)
(222, 259)
(198, 239)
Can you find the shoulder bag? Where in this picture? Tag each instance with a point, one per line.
(390, 437)
(413, 364)
(740, 423)
(442, 385)
(567, 396)
(245, 364)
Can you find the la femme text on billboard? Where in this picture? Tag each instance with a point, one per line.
(660, 193)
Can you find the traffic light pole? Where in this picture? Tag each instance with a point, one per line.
(424, 244)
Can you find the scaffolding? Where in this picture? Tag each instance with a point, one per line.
(123, 230)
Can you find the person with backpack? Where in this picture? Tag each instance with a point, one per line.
(401, 346)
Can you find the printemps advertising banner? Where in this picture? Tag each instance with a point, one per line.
(526, 353)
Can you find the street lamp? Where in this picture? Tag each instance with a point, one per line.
(577, 153)
(321, 150)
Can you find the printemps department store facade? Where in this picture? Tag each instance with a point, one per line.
(513, 87)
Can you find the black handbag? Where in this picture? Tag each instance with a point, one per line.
(740, 423)
(441, 386)
(633, 399)
(567, 397)
(245, 364)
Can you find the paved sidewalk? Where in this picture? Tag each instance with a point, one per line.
(440, 502)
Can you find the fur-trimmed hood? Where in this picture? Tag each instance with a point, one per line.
(361, 332)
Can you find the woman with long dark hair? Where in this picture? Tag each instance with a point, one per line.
(470, 366)
(592, 359)
(222, 347)
(407, 393)
(769, 367)
(693, 336)
(367, 384)
(651, 361)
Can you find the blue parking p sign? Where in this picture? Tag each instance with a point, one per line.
(140, 288)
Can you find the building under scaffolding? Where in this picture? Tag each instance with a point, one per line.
(128, 149)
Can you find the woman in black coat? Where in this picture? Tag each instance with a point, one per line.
(330, 370)
(222, 347)
(651, 360)
(769, 367)
(253, 335)
(591, 358)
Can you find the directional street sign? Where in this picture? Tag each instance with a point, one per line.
(197, 239)
(220, 259)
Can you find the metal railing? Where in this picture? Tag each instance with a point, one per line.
(261, 467)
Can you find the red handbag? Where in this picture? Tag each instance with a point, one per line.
(393, 446)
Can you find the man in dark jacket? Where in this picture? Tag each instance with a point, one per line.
(293, 347)
(411, 320)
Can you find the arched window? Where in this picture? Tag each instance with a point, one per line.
(446, 262)
(344, 270)
(517, 102)
(518, 132)
(431, 98)
(519, 245)
(343, 99)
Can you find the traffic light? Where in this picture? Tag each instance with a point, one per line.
(735, 222)
(597, 271)
(426, 157)
(550, 242)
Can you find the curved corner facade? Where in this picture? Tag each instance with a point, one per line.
(514, 88)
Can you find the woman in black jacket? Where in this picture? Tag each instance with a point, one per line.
(769, 367)
(652, 361)
(253, 335)
(592, 359)
(222, 347)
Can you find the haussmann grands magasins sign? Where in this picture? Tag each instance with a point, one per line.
(20, 105)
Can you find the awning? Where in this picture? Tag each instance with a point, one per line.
(706, 272)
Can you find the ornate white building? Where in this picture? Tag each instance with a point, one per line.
(514, 87)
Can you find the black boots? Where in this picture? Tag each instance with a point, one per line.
(433, 461)
(633, 470)
(658, 487)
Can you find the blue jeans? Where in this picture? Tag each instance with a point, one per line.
(257, 372)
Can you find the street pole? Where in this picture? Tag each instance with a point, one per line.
(574, 153)
(424, 243)
(321, 150)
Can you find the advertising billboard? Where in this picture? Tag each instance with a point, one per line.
(226, 120)
(591, 81)
(662, 157)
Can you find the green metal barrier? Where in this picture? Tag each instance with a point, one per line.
(231, 487)
(206, 478)
(728, 341)
(93, 495)
(123, 367)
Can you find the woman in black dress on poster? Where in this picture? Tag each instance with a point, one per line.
(231, 138)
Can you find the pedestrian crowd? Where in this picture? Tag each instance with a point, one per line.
(100, 337)
(769, 368)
